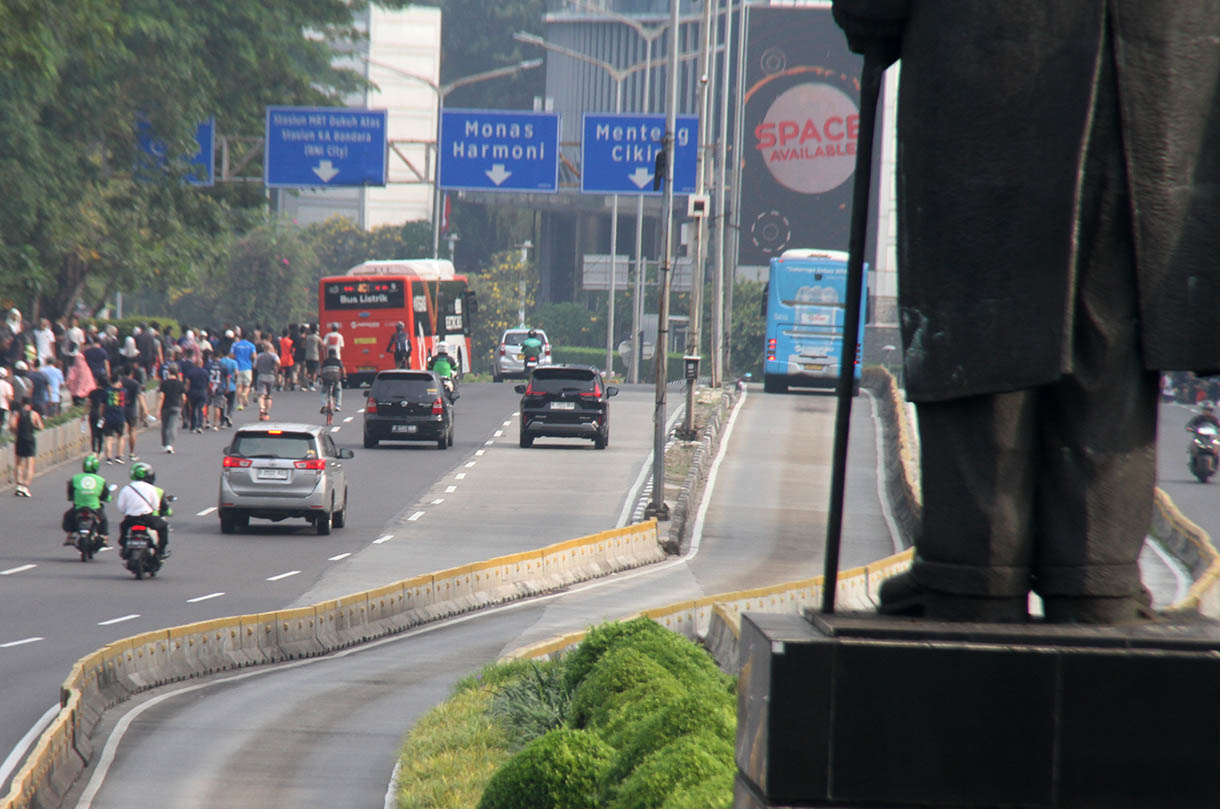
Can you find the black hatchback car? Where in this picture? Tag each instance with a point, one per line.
(408, 406)
(570, 401)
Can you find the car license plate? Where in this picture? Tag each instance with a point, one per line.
(563, 405)
(404, 428)
(520, 356)
(273, 474)
(809, 366)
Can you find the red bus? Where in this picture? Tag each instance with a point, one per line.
(369, 300)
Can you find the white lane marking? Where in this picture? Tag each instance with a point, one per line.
(415, 516)
(337, 558)
(1182, 577)
(509, 423)
(207, 597)
(479, 452)
(21, 642)
(450, 489)
(361, 410)
(460, 476)
(498, 434)
(205, 512)
(112, 621)
(348, 419)
(472, 463)
(13, 570)
(283, 575)
(490, 441)
(18, 752)
(385, 538)
(645, 473)
(879, 450)
(106, 548)
(438, 501)
(516, 412)
(696, 534)
(335, 429)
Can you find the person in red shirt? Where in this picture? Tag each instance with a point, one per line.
(286, 361)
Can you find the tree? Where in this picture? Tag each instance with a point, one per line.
(504, 288)
(749, 329)
(85, 210)
(340, 244)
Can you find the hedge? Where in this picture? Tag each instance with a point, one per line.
(560, 770)
(597, 357)
(618, 672)
(683, 764)
(700, 711)
(676, 654)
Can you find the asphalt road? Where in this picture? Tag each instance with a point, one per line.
(56, 608)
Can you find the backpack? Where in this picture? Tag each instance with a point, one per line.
(402, 345)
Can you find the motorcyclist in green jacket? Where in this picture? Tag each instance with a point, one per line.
(441, 362)
(531, 346)
(87, 489)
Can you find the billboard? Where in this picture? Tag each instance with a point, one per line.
(801, 122)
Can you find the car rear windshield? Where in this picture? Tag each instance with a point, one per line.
(412, 388)
(274, 445)
(514, 338)
(562, 380)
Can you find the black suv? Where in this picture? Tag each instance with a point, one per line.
(408, 406)
(568, 401)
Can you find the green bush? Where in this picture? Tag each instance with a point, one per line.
(632, 708)
(714, 793)
(679, 766)
(617, 672)
(701, 711)
(532, 704)
(561, 770)
(570, 324)
(683, 659)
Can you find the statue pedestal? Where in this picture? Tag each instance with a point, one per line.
(860, 710)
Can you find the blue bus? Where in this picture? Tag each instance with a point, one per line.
(805, 304)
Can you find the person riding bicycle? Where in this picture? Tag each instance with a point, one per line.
(400, 344)
(330, 377)
(141, 501)
(531, 346)
(87, 489)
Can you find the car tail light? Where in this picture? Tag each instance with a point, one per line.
(371, 407)
(502, 350)
(231, 462)
(438, 407)
(316, 464)
(595, 393)
(547, 349)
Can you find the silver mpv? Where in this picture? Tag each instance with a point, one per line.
(274, 471)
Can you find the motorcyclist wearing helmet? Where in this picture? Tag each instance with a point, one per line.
(1206, 415)
(141, 501)
(531, 346)
(441, 362)
(87, 489)
(400, 345)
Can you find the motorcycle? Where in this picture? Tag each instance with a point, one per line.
(1204, 451)
(88, 534)
(140, 547)
(450, 385)
(530, 363)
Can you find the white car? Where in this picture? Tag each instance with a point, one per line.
(509, 361)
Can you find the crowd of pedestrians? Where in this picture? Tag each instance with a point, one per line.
(201, 377)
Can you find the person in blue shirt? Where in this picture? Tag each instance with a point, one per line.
(243, 353)
(230, 368)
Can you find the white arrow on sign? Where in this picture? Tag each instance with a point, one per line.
(326, 171)
(497, 174)
(641, 177)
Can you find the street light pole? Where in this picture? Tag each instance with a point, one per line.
(721, 215)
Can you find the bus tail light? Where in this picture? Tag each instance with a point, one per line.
(771, 345)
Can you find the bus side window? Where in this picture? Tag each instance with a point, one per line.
(766, 292)
(472, 303)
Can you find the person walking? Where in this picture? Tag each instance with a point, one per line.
(55, 384)
(266, 365)
(113, 408)
(97, 408)
(313, 355)
(169, 404)
(287, 360)
(218, 384)
(6, 395)
(80, 377)
(134, 408)
(24, 423)
(196, 393)
(230, 373)
(243, 354)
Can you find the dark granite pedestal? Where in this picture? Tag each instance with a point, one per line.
(859, 710)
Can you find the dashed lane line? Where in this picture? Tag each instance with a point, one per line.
(450, 489)
(479, 452)
(438, 501)
(207, 597)
(472, 463)
(21, 642)
(415, 516)
(335, 429)
(498, 434)
(380, 540)
(348, 419)
(205, 512)
(283, 575)
(460, 476)
(338, 557)
(20, 569)
(508, 423)
(119, 620)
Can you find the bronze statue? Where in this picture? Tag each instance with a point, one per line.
(1059, 244)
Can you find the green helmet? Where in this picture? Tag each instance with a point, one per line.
(90, 464)
(141, 471)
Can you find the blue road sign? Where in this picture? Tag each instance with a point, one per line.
(499, 150)
(618, 153)
(202, 163)
(307, 147)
